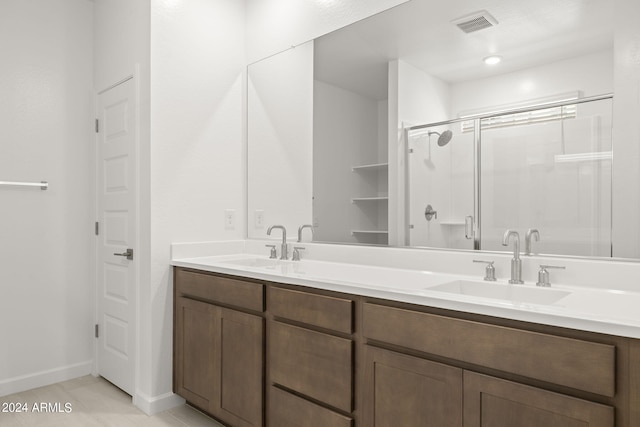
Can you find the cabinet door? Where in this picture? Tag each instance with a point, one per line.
(492, 402)
(402, 390)
(195, 351)
(240, 395)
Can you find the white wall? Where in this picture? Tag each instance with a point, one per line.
(592, 74)
(626, 138)
(121, 40)
(276, 25)
(46, 309)
(280, 141)
(197, 155)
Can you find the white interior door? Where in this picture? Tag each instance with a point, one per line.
(116, 201)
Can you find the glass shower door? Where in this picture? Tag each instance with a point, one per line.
(550, 171)
(440, 180)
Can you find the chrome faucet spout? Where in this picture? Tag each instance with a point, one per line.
(532, 232)
(284, 248)
(516, 262)
(302, 227)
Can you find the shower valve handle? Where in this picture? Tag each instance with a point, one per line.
(429, 213)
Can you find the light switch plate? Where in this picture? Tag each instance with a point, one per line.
(258, 218)
(229, 219)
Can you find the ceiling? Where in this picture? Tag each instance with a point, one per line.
(420, 32)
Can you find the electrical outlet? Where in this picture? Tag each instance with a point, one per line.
(229, 219)
(258, 218)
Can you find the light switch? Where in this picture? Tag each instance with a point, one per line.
(229, 219)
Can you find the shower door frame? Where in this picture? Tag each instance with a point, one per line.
(477, 158)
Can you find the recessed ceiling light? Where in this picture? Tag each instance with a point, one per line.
(492, 60)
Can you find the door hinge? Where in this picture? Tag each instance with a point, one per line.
(97, 230)
(97, 126)
(97, 334)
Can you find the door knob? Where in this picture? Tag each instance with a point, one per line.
(128, 254)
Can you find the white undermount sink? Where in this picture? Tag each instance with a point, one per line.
(514, 293)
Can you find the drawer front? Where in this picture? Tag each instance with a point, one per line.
(285, 409)
(238, 293)
(317, 310)
(312, 363)
(568, 362)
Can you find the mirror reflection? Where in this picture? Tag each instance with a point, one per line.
(543, 172)
(395, 131)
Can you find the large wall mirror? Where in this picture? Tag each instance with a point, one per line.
(396, 131)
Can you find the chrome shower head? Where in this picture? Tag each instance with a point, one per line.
(443, 138)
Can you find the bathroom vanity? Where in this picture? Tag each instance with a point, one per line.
(251, 351)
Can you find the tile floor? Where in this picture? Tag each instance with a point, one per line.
(93, 402)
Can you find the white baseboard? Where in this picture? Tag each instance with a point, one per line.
(153, 405)
(44, 378)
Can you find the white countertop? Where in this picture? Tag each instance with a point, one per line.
(609, 311)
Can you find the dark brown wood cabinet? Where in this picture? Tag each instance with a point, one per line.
(195, 346)
(313, 364)
(218, 353)
(288, 410)
(275, 355)
(402, 390)
(493, 402)
(239, 397)
(310, 359)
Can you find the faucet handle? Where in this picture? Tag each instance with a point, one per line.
(543, 275)
(489, 271)
(296, 253)
(273, 253)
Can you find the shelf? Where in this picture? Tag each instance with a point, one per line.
(379, 232)
(372, 167)
(369, 199)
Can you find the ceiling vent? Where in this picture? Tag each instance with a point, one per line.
(475, 21)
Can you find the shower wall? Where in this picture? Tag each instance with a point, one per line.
(441, 177)
(554, 177)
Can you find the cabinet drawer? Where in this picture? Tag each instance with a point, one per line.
(578, 364)
(249, 295)
(312, 363)
(317, 310)
(285, 409)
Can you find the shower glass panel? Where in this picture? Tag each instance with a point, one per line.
(440, 186)
(550, 170)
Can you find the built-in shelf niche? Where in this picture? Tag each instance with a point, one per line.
(370, 227)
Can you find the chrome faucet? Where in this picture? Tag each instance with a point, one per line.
(532, 232)
(302, 227)
(284, 248)
(516, 262)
